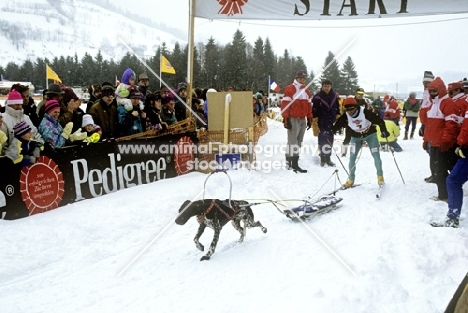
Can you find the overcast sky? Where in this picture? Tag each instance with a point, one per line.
(390, 51)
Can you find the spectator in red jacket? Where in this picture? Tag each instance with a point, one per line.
(392, 110)
(442, 123)
(296, 108)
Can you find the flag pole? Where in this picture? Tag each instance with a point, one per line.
(160, 73)
(190, 52)
(269, 87)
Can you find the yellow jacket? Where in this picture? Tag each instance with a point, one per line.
(392, 128)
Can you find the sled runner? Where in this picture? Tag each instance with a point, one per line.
(310, 210)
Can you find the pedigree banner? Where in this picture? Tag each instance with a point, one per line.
(324, 9)
(76, 173)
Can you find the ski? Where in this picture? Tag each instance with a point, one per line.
(443, 224)
(343, 188)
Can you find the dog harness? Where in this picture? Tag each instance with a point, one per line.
(225, 209)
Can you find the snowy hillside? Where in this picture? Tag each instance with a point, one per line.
(369, 255)
(48, 29)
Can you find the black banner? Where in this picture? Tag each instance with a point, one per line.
(75, 173)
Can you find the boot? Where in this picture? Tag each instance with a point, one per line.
(323, 161)
(380, 180)
(288, 163)
(329, 162)
(348, 184)
(406, 136)
(411, 135)
(295, 165)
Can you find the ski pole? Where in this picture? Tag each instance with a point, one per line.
(394, 159)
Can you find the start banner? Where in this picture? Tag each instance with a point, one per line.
(324, 9)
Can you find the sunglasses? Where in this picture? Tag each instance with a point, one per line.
(433, 90)
(350, 108)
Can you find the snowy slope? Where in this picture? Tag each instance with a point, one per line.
(367, 256)
(35, 28)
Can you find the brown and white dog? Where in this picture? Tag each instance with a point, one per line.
(215, 213)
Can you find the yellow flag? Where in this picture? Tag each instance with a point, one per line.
(166, 67)
(52, 75)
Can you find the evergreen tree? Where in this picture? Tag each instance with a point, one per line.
(284, 72)
(270, 62)
(350, 77)
(259, 76)
(236, 62)
(331, 71)
(211, 67)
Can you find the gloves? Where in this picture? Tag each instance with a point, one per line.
(92, 139)
(67, 130)
(424, 145)
(315, 127)
(459, 152)
(287, 125)
(309, 124)
(421, 130)
(78, 135)
(384, 134)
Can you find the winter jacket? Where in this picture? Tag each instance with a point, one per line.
(128, 123)
(24, 152)
(11, 117)
(296, 102)
(105, 116)
(442, 118)
(392, 129)
(325, 107)
(411, 107)
(462, 138)
(168, 116)
(392, 111)
(3, 140)
(51, 131)
(368, 115)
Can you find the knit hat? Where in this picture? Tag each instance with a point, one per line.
(428, 76)
(258, 95)
(14, 97)
(360, 91)
(54, 88)
(87, 120)
(349, 102)
(135, 94)
(51, 105)
(21, 128)
(168, 97)
(68, 95)
(301, 74)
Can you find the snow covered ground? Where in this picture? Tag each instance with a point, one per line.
(123, 253)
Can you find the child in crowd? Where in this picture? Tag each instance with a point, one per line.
(123, 90)
(132, 119)
(93, 132)
(24, 150)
